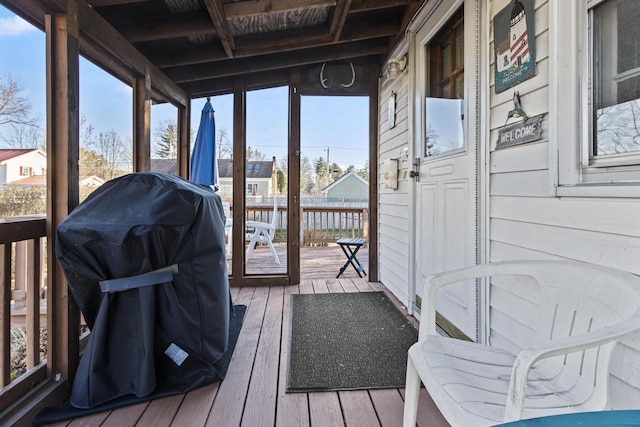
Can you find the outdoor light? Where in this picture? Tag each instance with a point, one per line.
(396, 66)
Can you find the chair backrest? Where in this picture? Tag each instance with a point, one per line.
(576, 298)
(274, 219)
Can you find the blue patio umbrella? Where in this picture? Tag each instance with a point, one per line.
(204, 167)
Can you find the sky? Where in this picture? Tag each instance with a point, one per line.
(339, 124)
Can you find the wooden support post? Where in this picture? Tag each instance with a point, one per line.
(373, 172)
(237, 232)
(142, 123)
(293, 240)
(62, 49)
(184, 140)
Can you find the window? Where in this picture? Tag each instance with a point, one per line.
(252, 189)
(445, 98)
(25, 171)
(616, 77)
(594, 83)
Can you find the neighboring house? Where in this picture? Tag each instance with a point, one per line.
(572, 192)
(169, 166)
(41, 180)
(260, 178)
(21, 163)
(348, 186)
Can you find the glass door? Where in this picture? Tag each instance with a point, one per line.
(265, 182)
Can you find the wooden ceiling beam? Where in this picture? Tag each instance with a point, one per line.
(339, 17)
(278, 60)
(283, 41)
(258, 7)
(98, 31)
(216, 12)
(183, 25)
(358, 6)
(224, 85)
(103, 3)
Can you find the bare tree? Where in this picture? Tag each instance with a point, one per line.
(104, 154)
(18, 126)
(255, 154)
(224, 145)
(23, 136)
(307, 184)
(116, 153)
(15, 109)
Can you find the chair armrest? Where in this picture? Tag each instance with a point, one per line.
(258, 224)
(438, 280)
(530, 355)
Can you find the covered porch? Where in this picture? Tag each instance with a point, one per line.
(169, 54)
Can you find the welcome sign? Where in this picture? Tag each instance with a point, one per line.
(519, 133)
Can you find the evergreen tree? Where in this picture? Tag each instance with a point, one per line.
(167, 140)
(281, 180)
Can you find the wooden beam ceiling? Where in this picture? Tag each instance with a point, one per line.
(216, 12)
(186, 41)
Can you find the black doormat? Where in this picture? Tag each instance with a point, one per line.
(347, 342)
(67, 412)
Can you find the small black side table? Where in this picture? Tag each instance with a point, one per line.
(350, 247)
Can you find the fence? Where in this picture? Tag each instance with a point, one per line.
(22, 249)
(320, 224)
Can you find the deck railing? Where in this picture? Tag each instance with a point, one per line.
(22, 281)
(320, 224)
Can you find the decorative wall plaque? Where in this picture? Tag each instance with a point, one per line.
(515, 44)
(529, 130)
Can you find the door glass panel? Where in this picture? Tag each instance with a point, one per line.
(266, 181)
(444, 104)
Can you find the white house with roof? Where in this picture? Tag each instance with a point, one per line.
(16, 164)
(348, 186)
(260, 178)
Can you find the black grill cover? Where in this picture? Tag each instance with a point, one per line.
(144, 256)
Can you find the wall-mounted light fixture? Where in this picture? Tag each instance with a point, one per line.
(395, 66)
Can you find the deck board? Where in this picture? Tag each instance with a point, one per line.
(292, 408)
(161, 412)
(358, 409)
(254, 391)
(263, 389)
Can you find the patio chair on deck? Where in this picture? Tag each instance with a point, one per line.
(582, 311)
(262, 232)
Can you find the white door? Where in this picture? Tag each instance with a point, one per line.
(446, 193)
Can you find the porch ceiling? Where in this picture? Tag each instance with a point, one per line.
(202, 44)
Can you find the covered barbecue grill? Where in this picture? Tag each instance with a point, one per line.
(144, 256)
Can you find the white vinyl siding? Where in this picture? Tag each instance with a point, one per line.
(528, 219)
(393, 210)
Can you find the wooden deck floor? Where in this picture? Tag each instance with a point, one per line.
(253, 392)
(315, 262)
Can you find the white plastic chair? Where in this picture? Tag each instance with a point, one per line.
(583, 310)
(262, 232)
